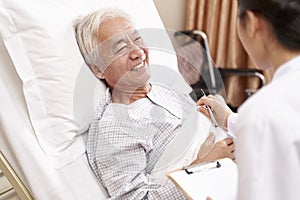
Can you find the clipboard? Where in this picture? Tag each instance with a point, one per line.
(216, 179)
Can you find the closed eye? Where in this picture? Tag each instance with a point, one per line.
(138, 40)
(120, 49)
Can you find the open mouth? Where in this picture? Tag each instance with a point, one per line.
(139, 66)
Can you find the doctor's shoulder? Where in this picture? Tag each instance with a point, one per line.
(263, 104)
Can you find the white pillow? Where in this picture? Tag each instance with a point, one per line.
(58, 88)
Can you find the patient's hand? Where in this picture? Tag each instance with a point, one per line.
(220, 110)
(212, 151)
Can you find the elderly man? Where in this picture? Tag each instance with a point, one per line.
(135, 120)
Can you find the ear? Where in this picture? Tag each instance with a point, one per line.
(254, 23)
(96, 71)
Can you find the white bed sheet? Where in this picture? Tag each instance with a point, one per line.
(19, 145)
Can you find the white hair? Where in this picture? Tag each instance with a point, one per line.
(87, 30)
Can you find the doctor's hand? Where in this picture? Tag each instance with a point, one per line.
(210, 150)
(220, 109)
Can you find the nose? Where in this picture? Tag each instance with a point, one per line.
(137, 53)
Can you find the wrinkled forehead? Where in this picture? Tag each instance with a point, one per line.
(114, 27)
(117, 33)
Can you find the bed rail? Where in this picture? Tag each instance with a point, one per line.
(14, 180)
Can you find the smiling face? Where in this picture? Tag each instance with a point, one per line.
(124, 55)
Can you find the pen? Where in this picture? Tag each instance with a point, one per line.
(213, 119)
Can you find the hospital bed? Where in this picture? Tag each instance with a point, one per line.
(42, 162)
(48, 95)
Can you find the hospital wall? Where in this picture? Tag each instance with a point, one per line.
(172, 13)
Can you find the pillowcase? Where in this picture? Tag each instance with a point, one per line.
(60, 92)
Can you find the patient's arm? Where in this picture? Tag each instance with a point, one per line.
(212, 151)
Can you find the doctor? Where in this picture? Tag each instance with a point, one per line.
(267, 126)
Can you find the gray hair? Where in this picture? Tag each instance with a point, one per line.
(87, 28)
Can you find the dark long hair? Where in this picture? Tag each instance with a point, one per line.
(283, 15)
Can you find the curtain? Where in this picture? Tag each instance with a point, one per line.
(217, 18)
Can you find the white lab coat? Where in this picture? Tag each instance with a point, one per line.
(268, 139)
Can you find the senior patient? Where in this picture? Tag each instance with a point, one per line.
(135, 120)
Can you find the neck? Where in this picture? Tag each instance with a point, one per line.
(280, 56)
(130, 96)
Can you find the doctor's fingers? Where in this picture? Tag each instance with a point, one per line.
(202, 102)
(205, 100)
(204, 111)
(216, 105)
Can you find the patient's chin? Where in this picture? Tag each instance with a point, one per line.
(130, 82)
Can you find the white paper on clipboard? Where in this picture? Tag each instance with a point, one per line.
(217, 179)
